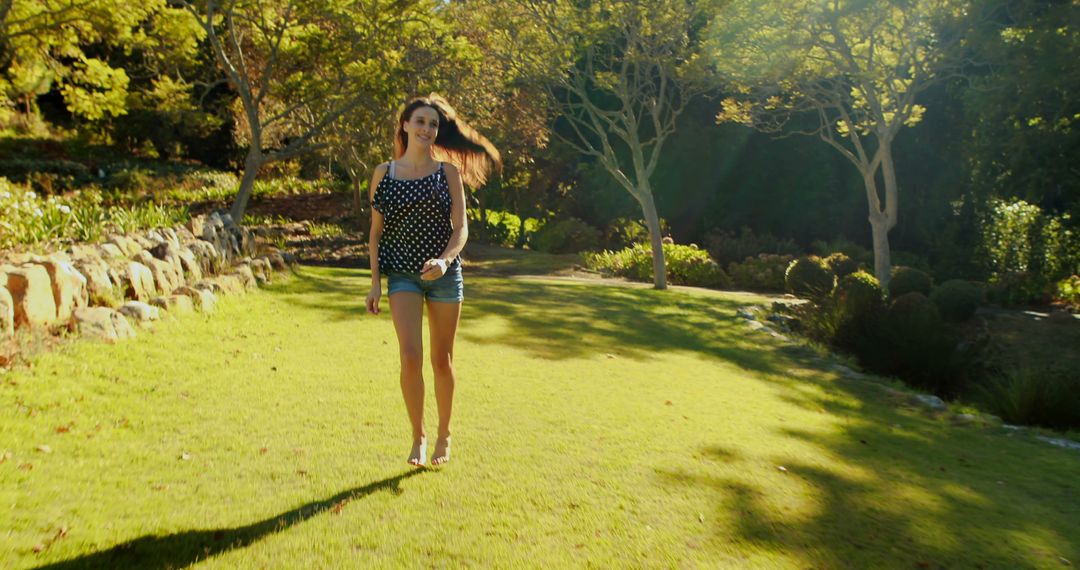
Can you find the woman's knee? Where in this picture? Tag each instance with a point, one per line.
(442, 363)
(412, 357)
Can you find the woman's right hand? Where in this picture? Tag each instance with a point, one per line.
(373, 299)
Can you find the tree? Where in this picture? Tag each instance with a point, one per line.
(45, 44)
(618, 74)
(857, 67)
(1023, 112)
(297, 67)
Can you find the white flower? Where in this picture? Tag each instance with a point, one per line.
(65, 209)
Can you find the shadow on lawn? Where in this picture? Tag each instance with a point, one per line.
(184, 548)
(981, 500)
(570, 320)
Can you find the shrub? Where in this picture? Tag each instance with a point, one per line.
(624, 232)
(762, 273)
(906, 280)
(841, 264)
(1027, 396)
(809, 277)
(727, 248)
(957, 299)
(842, 245)
(860, 309)
(860, 295)
(46, 175)
(1026, 251)
(684, 265)
(566, 236)
(498, 227)
(1068, 291)
(921, 346)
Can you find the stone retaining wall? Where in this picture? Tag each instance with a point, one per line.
(97, 290)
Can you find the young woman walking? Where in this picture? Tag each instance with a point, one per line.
(418, 228)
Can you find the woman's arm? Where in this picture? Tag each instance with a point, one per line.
(458, 219)
(373, 243)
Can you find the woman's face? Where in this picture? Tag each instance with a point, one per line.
(422, 126)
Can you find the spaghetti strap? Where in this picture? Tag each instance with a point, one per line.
(391, 169)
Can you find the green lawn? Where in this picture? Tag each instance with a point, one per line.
(595, 426)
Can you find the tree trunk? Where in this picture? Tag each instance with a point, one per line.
(652, 220)
(882, 264)
(358, 195)
(252, 165)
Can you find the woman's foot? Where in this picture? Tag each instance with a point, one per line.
(419, 452)
(442, 451)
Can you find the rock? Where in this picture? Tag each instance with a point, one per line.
(190, 265)
(277, 261)
(102, 323)
(110, 251)
(246, 276)
(1060, 442)
(930, 401)
(204, 300)
(175, 304)
(230, 284)
(68, 287)
(183, 234)
(211, 286)
(848, 372)
(965, 418)
(1061, 317)
(31, 295)
(755, 325)
(748, 313)
(165, 275)
(138, 282)
(196, 224)
(261, 269)
(7, 312)
(144, 242)
(140, 312)
(128, 246)
(99, 285)
(289, 258)
(207, 256)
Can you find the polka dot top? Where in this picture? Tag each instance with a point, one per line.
(416, 220)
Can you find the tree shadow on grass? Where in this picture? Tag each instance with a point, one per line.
(184, 548)
(559, 321)
(921, 495)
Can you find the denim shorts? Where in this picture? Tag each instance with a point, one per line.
(450, 288)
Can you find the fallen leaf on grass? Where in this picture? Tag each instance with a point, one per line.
(185, 456)
(336, 509)
(669, 403)
(5, 456)
(781, 467)
(26, 466)
(39, 547)
(263, 450)
(44, 449)
(65, 428)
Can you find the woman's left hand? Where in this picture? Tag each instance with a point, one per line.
(433, 269)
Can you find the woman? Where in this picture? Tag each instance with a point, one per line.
(417, 231)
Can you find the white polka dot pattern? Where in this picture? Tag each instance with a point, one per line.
(416, 221)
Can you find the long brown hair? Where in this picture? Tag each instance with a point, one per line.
(456, 142)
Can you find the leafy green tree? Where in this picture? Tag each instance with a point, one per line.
(858, 66)
(1023, 109)
(46, 44)
(297, 67)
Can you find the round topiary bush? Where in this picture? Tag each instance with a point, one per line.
(906, 280)
(809, 277)
(566, 236)
(859, 295)
(841, 264)
(913, 317)
(957, 299)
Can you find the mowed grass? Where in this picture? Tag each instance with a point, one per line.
(595, 426)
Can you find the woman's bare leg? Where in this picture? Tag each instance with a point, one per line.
(407, 310)
(443, 322)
